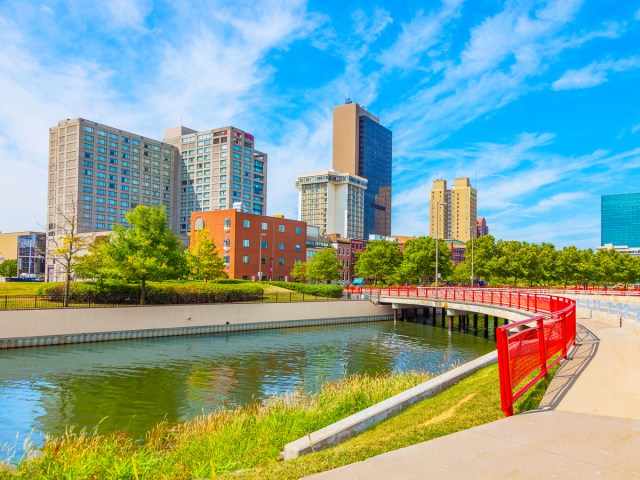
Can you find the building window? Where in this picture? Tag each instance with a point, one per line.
(281, 261)
(297, 248)
(245, 259)
(245, 243)
(264, 225)
(281, 246)
(246, 223)
(281, 228)
(298, 230)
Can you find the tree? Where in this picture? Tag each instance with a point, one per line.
(324, 266)
(568, 265)
(419, 260)
(203, 260)
(461, 273)
(299, 272)
(92, 264)
(484, 256)
(9, 268)
(67, 243)
(147, 251)
(379, 261)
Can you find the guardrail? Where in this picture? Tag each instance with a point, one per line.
(623, 310)
(526, 349)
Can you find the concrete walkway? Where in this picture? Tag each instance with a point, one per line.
(588, 426)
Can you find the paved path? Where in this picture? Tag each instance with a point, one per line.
(588, 426)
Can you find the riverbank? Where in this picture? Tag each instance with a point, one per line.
(25, 328)
(245, 443)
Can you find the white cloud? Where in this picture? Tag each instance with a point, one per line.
(371, 28)
(419, 36)
(594, 74)
(559, 200)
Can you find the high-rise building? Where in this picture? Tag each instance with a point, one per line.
(363, 147)
(332, 201)
(218, 168)
(254, 247)
(99, 173)
(482, 228)
(620, 215)
(453, 212)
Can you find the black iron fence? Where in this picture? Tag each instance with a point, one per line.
(21, 302)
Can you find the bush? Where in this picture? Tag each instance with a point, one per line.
(330, 291)
(157, 294)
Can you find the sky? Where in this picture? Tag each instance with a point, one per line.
(538, 102)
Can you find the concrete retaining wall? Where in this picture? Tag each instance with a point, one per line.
(23, 328)
(351, 426)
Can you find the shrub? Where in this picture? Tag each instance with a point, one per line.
(157, 294)
(330, 291)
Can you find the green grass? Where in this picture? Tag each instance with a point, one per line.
(245, 443)
(18, 288)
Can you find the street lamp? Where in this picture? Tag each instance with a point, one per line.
(260, 258)
(472, 237)
(437, 231)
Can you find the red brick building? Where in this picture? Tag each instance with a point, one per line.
(244, 238)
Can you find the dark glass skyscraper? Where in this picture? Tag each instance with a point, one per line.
(621, 220)
(363, 147)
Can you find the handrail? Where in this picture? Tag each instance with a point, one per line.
(526, 349)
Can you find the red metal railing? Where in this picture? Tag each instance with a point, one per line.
(526, 349)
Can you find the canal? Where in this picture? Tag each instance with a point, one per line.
(133, 385)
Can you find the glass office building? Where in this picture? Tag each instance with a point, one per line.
(620, 220)
(375, 166)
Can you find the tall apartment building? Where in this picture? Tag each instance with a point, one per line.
(453, 212)
(620, 220)
(218, 168)
(254, 246)
(99, 173)
(482, 228)
(332, 201)
(363, 147)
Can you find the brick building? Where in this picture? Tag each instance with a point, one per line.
(244, 238)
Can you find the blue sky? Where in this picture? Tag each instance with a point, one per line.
(539, 101)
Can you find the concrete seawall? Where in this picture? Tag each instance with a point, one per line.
(25, 328)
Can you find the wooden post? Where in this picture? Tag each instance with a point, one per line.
(495, 325)
(486, 325)
(395, 315)
(462, 319)
(450, 324)
(475, 323)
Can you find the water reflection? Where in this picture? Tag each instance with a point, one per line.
(132, 385)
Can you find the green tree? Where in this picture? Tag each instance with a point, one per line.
(299, 272)
(537, 263)
(484, 256)
(202, 258)
(419, 260)
(9, 268)
(606, 265)
(568, 265)
(324, 266)
(92, 264)
(507, 264)
(147, 251)
(461, 273)
(379, 261)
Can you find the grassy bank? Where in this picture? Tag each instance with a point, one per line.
(245, 443)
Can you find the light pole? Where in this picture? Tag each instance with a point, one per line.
(260, 258)
(437, 237)
(470, 228)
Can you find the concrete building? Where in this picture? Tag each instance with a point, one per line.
(363, 147)
(633, 251)
(482, 228)
(315, 242)
(218, 168)
(453, 213)
(620, 220)
(332, 201)
(254, 246)
(99, 173)
(28, 249)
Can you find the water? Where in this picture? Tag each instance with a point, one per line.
(133, 385)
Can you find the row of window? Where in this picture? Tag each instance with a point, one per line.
(264, 244)
(265, 226)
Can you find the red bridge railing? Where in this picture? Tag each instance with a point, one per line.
(526, 349)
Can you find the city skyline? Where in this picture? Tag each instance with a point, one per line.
(537, 98)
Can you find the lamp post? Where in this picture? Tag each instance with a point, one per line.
(437, 237)
(260, 258)
(470, 228)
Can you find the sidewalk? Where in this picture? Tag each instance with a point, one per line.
(588, 426)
